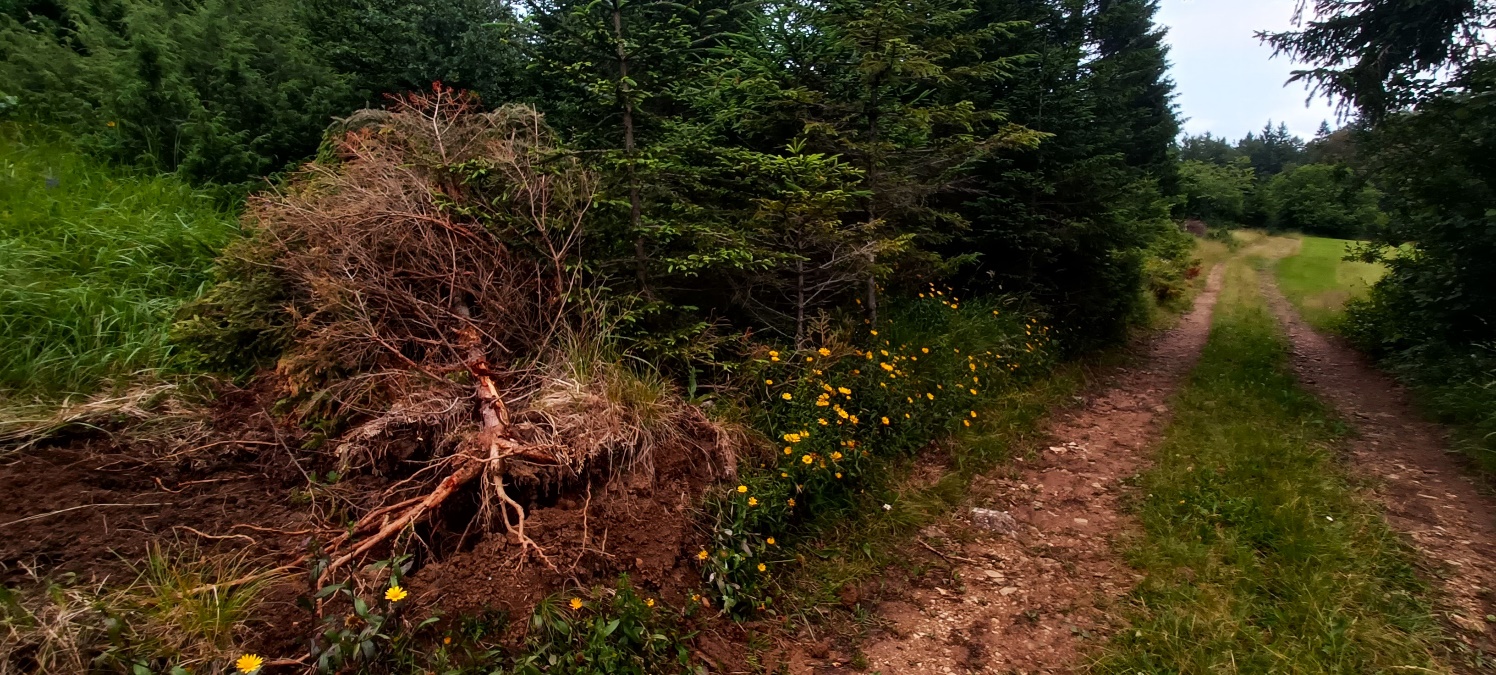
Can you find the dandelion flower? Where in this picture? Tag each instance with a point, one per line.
(249, 663)
(753, 501)
(824, 351)
(703, 555)
(768, 381)
(576, 603)
(742, 489)
(786, 396)
(762, 567)
(395, 594)
(769, 541)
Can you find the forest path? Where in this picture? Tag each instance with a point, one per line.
(1427, 492)
(1031, 591)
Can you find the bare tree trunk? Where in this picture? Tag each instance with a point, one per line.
(641, 255)
(800, 304)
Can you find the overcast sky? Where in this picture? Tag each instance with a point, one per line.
(1227, 84)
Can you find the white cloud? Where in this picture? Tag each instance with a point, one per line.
(1228, 82)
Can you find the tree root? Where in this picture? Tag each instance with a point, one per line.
(500, 447)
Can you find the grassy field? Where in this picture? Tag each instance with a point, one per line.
(1319, 281)
(94, 261)
(1259, 556)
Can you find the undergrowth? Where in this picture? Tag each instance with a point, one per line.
(1258, 554)
(840, 413)
(94, 262)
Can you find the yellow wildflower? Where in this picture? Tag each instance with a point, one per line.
(395, 594)
(769, 541)
(884, 352)
(886, 366)
(806, 459)
(762, 567)
(854, 419)
(249, 663)
(925, 349)
(824, 351)
(885, 421)
(821, 403)
(753, 501)
(873, 332)
(973, 392)
(703, 555)
(742, 489)
(823, 421)
(973, 413)
(838, 475)
(447, 640)
(774, 355)
(786, 396)
(788, 450)
(930, 396)
(768, 381)
(844, 391)
(576, 603)
(836, 455)
(790, 501)
(808, 359)
(649, 602)
(966, 422)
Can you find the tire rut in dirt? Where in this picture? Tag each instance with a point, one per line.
(1427, 491)
(1036, 598)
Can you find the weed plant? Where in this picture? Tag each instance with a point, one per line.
(839, 414)
(94, 262)
(1259, 555)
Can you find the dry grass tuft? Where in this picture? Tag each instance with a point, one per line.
(185, 608)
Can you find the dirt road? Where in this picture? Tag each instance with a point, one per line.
(1426, 490)
(1031, 590)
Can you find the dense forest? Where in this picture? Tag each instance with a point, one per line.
(1022, 146)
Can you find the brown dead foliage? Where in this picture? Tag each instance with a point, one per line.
(432, 271)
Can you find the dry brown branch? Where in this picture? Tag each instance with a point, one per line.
(430, 272)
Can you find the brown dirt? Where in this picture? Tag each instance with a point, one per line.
(1427, 490)
(642, 525)
(1032, 601)
(243, 493)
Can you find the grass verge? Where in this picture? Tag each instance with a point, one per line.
(94, 261)
(1319, 281)
(1259, 555)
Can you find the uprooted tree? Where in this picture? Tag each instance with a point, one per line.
(436, 317)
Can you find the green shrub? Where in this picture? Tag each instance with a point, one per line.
(838, 413)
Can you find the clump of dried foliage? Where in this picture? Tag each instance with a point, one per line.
(436, 320)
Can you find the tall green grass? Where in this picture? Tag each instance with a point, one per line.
(94, 260)
(1259, 555)
(1319, 281)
